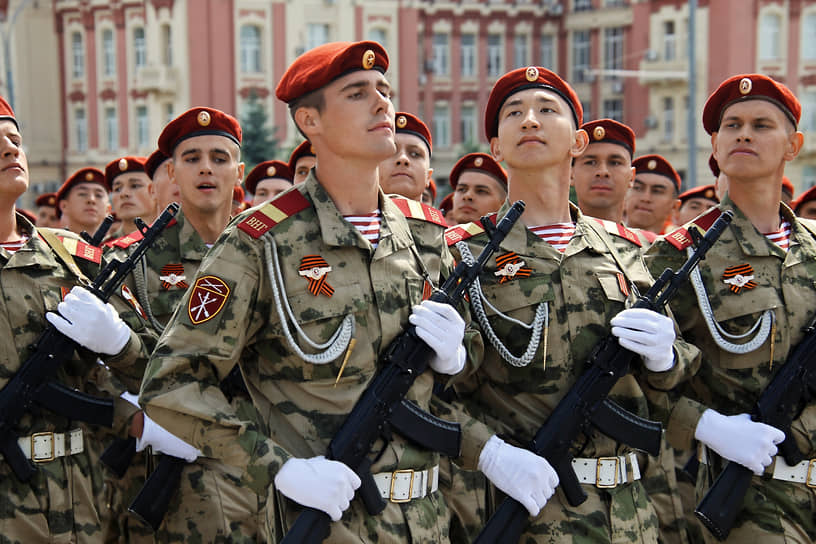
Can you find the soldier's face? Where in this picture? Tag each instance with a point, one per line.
(302, 167)
(269, 188)
(408, 171)
(132, 196)
(206, 169)
(166, 190)
(476, 194)
(808, 210)
(47, 217)
(691, 208)
(602, 176)
(85, 207)
(13, 162)
(650, 202)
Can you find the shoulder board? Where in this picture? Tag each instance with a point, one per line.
(680, 238)
(457, 233)
(413, 209)
(274, 212)
(83, 250)
(129, 239)
(649, 235)
(616, 229)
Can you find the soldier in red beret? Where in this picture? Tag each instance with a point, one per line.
(429, 194)
(408, 172)
(787, 190)
(268, 180)
(132, 193)
(603, 174)
(694, 202)
(166, 191)
(804, 205)
(47, 210)
(748, 309)
(652, 201)
(82, 201)
(301, 161)
(479, 186)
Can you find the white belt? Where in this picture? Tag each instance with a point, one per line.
(607, 472)
(405, 485)
(801, 473)
(45, 447)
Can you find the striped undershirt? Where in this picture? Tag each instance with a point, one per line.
(11, 247)
(368, 225)
(780, 237)
(557, 235)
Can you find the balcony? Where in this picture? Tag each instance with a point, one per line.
(158, 79)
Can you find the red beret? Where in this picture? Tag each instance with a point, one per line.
(120, 166)
(703, 191)
(610, 131)
(153, 162)
(198, 122)
(84, 175)
(303, 150)
(266, 170)
(712, 164)
(238, 193)
(410, 124)
(787, 185)
(432, 189)
(477, 161)
(655, 164)
(447, 203)
(318, 67)
(46, 199)
(807, 196)
(749, 87)
(6, 112)
(528, 78)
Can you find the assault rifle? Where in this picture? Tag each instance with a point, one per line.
(406, 358)
(32, 383)
(586, 403)
(778, 405)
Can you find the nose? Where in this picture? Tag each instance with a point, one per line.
(402, 158)
(530, 120)
(205, 166)
(9, 149)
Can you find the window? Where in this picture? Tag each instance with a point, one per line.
(613, 109)
(139, 49)
(668, 119)
(142, 127)
(494, 55)
(467, 54)
(520, 51)
(582, 5)
(615, 3)
(250, 44)
(77, 55)
(808, 176)
(808, 121)
(167, 45)
(808, 47)
(669, 41)
(613, 48)
(81, 125)
(441, 57)
(548, 51)
(169, 114)
(468, 124)
(441, 126)
(770, 28)
(316, 34)
(587, 106)
(378, 35)
(580, 56)
(108, 53)
(111, 129)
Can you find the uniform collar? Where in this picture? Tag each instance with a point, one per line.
(191, 245)
(35, 252)
(751, 241)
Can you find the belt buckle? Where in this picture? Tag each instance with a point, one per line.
(34, 456)
(615, 481)
(410, 485)
(810, 472)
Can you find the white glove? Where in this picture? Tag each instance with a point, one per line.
(520, 473)
(737, 438)
(318, 483)
(90, 323)
(442, 328)
(164, 441)
(647, 333)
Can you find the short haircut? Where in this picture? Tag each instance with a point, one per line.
(314, 99)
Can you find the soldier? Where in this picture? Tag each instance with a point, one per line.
(82, 201)
(805, 204)
(46, 210)
(603, 174)
(408, 172)
(746, 309)
(429, 194)
(132, 193)
(330, 263)
(548, 299)
(479, 187)
(694, 202)
(787, 190)
(652, 200)
(301, 161)
(166, 191)
(268, 180)
(239, 203)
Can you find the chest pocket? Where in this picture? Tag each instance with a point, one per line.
(612, 287)
(518, 297)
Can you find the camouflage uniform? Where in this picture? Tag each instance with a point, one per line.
(211, 504)
(60, 503)
(299, 401)
(583, 289)
(773, 510)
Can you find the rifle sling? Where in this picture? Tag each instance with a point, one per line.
(55, 244)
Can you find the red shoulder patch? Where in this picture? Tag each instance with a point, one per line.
(617, 229)
(129, 239)
(417, 210)
(83, 250)
(680, 238)
(274, 212)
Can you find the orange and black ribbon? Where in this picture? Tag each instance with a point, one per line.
(176, 271)
(510, 259)
(739, 277)
(315, 269)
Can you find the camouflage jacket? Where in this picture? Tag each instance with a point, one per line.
(783, 283)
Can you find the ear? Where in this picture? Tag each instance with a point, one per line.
(241, 167)
(714, 146)
(308, 120)
(676, 206)
(62, 205)
(495, 149)
(428, 177)
(631, 178)
(795, 142)
(171, 171)
(579, 143)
